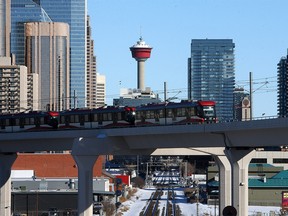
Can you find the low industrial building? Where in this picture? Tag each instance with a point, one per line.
(266, 182)
(43, 183)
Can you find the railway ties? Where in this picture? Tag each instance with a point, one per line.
(171, 208)
(153, 202)
(162, 204)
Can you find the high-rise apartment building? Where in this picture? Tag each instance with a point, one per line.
(100, 90)
(13, 92)
(47, 54)
(211, 74)
(72, 12)
(282, 67)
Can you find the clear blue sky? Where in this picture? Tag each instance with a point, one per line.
(257, 27)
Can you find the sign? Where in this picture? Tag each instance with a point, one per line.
(284, 199)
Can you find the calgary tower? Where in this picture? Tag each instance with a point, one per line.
(141, 52)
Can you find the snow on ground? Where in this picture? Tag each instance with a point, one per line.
(138, 202)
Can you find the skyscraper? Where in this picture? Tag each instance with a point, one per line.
(282, 67)
(211, 74)
(5, 28)
(72, 12)
(47, 54)
(23, 11)
(96, 83)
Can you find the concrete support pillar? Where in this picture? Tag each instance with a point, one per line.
(240, 159)
(85, 183)
(225, 193)
(6, 162)
(85, 152)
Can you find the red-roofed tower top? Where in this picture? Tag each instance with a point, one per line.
(141, 52)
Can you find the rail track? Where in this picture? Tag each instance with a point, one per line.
(161, 203)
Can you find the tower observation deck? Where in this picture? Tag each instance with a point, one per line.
(141, 52)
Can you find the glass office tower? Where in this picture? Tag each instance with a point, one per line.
(282, 68)
(5, 27)
(23, 11)
(211, 74)
(72, 12)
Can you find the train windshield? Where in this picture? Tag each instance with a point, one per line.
(209, 111)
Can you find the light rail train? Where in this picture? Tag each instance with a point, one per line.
(184, 112)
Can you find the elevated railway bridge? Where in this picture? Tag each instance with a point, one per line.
(232, 144)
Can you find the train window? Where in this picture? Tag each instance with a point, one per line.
(189, 112)
(27, 121)
(109, 116)
(138, 115)
(94, 117)
(16, 122)
(193, 111)
(152, 114)
(37, 121)
(105, 117)
(174, 114)
(119, 116)
(100, 118)
(156, 115)
(31, 121)
(42, 120)
(72, 118)
(62, 119)
(86, 118)
(2, 123)
(180, 112)
(115, 117)
(76, 118)
(169, 113)
(66, 120)
(22, 122)
(199, 111)
(148, 114)
(123, 115)
(82, 119)
(161, 113)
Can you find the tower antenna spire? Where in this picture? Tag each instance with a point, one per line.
(140, 32)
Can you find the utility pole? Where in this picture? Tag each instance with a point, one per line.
(165, 92)
(251, 98)
(165, 98)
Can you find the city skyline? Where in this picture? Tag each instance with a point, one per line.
(169, 29)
